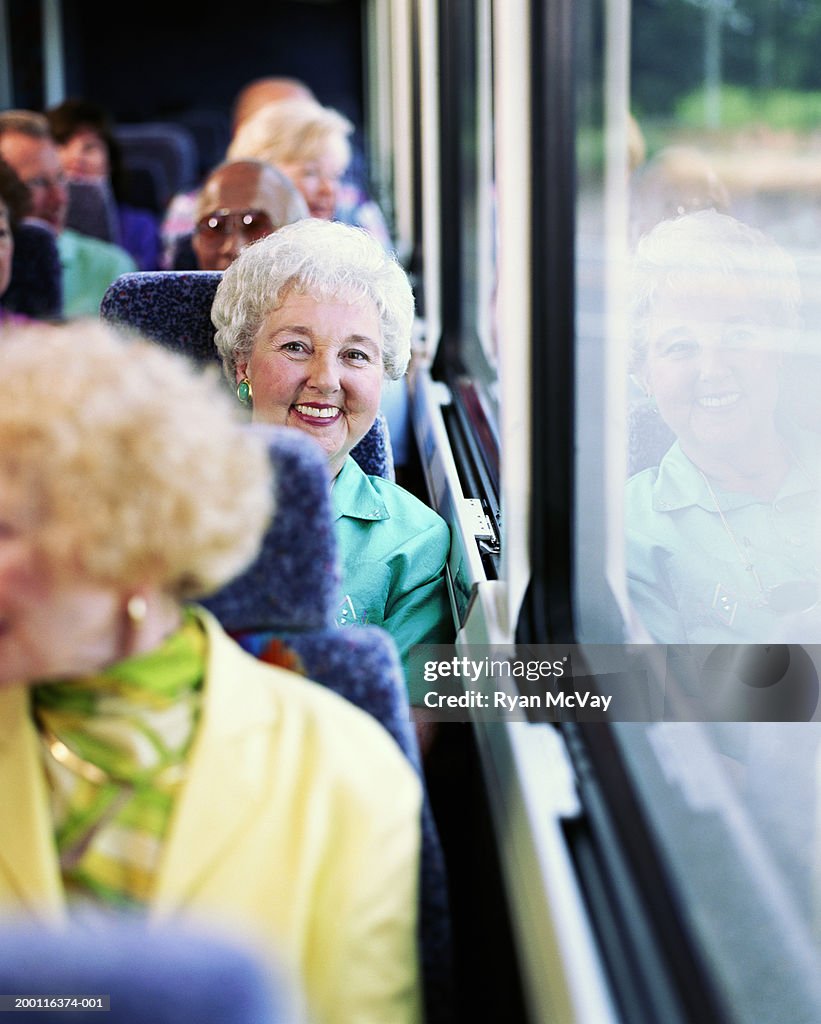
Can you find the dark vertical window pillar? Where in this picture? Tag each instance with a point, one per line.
(547, 613)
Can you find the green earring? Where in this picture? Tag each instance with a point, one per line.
(245, 392)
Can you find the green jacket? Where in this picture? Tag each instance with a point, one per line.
(687, 562)
(393, 550)
(89, 267)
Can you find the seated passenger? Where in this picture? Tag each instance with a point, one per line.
(147, 764)
(89, 265)
(259, 92)
(308, 323)
(14, 205)
(180, 216)
(241, 201)
(310, 143)
(90, 152)
(315, 137)
(723, 534)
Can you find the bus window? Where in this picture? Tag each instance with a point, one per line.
(696, 525)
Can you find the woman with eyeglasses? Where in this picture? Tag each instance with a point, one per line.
(306, 141)
(723, 534)
(240, 202)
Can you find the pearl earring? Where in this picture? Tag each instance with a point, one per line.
(136, 608)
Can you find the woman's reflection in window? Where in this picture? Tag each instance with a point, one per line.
(722, 534)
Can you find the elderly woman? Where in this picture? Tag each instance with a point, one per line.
(146, 762)
(722, 535)
(309, 321)
(310, 143)
(306, 141)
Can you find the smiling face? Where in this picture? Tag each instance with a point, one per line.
(85, 155)
(37, 163)
(316, 364)
(712, 365)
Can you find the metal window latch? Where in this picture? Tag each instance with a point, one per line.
(481, 525)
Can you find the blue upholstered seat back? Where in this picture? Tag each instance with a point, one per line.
(169, 147)
(145, 184)
(648, 437)
(161, 975)
(36, 286)
(174, 308)
(374, 453)
(294, 582)
(92, 210)
(282, 611)
(211, 129)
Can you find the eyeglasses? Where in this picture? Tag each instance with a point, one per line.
(216, 226)
(42, 181)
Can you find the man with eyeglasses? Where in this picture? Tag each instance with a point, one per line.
(89, 265)
(241, 201)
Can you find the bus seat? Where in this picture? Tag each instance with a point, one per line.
(172, 145)
(374, 453)
(171, 307)
(648, 437)
(211, 128)
(270, 602)
(92, 211)
(183, 257)
(174, 308)
(272, 614)
(152, 975)
(299, 547)
(145, 184)
(36, 286)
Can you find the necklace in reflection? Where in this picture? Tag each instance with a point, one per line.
(788, 598)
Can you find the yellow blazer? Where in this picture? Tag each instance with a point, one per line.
(297, 828)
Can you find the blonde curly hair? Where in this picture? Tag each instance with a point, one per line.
(292, 131)
(128, 464)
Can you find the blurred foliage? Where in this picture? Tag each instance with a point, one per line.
(765, 45)
(739, 106)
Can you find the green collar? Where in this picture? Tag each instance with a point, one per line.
(356, 495)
